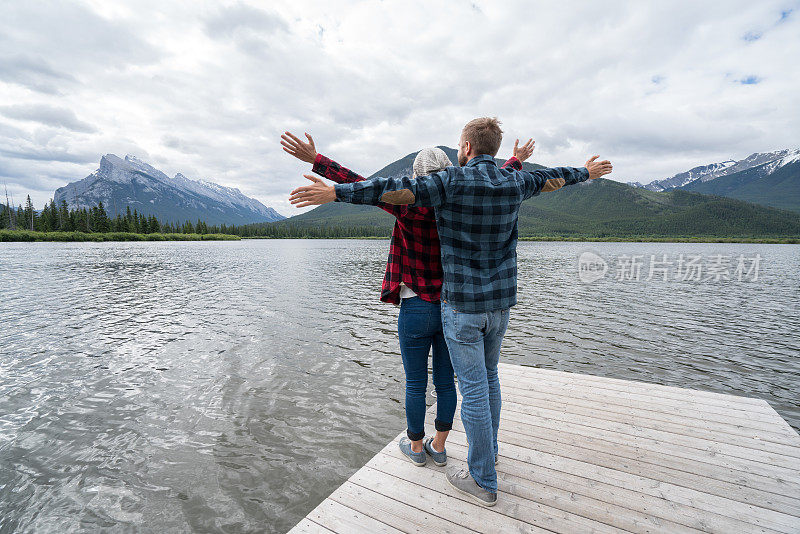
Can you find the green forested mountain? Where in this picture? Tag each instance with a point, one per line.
(605, 208)
(598, 209)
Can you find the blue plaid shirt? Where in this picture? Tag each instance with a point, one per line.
(477, 207)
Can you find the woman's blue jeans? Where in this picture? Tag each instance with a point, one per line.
(420, 328)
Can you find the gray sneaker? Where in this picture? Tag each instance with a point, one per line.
(416, 458)
(461, 480)
(439, 458)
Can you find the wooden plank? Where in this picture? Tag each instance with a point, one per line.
(770, 478)
(694, 447)
(648, 511)
(391, 510)
(404, 478)
(306, 526)
(734, 497)
(764, 411)
(660, 390)
(761, 421)
(693, 419)
(450, 514)
(573, 503)
(671, 494)
(691, 428)
(653, 512)
(725, 406)
(786, 457)
(509, 506)
(343, 520)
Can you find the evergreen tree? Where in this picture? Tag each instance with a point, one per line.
(29, 214)
(100, 222)
(5, 217)
(65, 221)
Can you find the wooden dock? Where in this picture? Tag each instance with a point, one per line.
(581, 453)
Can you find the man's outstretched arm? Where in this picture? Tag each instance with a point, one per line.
(326, 167)
(545, 180)
(428, 191)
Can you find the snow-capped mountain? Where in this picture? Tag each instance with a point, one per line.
(770, 178)
(705, 173)
(120, 183)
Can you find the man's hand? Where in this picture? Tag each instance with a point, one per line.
(312, 195)
(525, 152)
(303, 151)
(598, 168)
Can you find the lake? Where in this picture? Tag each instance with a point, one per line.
(231, 386)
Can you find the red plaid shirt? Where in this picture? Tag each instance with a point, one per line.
(414, 254)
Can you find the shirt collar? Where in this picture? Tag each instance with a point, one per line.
(483, 158)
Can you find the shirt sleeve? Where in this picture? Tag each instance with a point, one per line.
(546, 180)
(327, 168)
(513, 162)
(425, 191)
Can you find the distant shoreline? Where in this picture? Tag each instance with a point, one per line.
(635, 239)
(33, 236)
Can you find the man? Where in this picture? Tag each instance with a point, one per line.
(477, 207)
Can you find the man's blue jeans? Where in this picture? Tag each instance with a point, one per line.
(419, 327)
(474, 341)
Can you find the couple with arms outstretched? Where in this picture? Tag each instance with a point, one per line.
(453, 269)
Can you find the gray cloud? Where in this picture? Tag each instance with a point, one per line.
(48, 155)
(71, 35)
(33, 73)
(243, 21)
(48, 115)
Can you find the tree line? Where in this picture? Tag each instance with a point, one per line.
(60, 218)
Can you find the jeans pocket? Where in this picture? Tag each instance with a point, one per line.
(466, 327)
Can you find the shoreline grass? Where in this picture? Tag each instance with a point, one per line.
(32, 236)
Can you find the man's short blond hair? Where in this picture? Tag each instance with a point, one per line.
(484, 134)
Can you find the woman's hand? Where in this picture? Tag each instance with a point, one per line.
(524, 152)
(313, 195)
(303, 151)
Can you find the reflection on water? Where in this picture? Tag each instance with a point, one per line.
(231, 386)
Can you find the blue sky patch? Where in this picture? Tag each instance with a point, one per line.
(750, 80)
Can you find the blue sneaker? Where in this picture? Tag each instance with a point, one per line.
(416, 458)
(439, 458)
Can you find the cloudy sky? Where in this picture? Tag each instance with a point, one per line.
(206, 88)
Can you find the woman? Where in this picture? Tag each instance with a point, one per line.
(413, 279)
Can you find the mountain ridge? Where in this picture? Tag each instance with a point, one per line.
(766, 178)
(119, 183)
